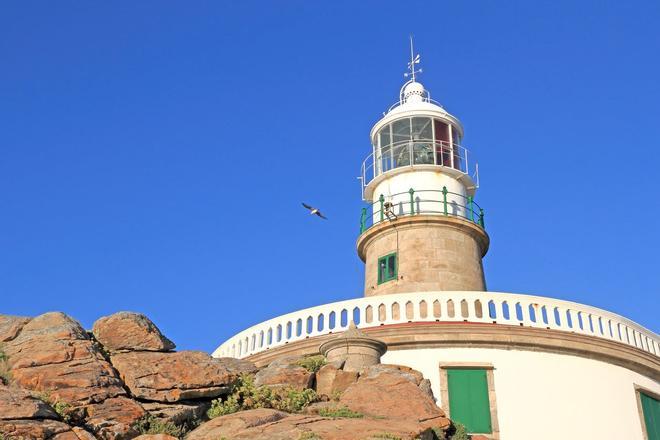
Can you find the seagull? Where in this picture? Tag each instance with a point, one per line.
(314, 211)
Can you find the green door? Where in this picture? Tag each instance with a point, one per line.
(651, 410)
(468, 399)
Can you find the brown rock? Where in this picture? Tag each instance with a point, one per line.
(53, 353)
(36, 430)
(425, 386)
(82, 434)
(238, 366)
(170, 377)
(285, 373)
(393, 395)
(16, 403)
(128, 331)
(268, 424)
(10, 326)
(330, 380)
(407, 373)
(232, 424)
(178, 413)
(114, 418)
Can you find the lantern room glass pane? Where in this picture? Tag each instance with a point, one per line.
(442, 147)
(384, 157)
(401, 142)
(458, 160)
(385, 137)
(421, 129)
(401, 130)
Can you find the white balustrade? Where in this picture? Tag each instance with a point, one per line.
(483, 307)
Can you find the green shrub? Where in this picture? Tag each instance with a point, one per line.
(387, 435)
(460, 432)
(149, 424)
(62, 408)
(5, 374)
(309, 436)
(312, 363)
(245, 395)
(340, 412)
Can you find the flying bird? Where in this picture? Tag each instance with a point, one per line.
(314, 211)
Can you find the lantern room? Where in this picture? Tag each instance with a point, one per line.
(416, 132)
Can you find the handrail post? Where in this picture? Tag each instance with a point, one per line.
(470, 208)
(467, 167)
(363, 219)
(451, 151)
(444, 198)
(381, 199)
(412, 201)
(481, 218)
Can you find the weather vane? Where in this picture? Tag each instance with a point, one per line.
(414, 59)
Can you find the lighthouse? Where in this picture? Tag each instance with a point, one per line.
(503, 364)
(423, 229)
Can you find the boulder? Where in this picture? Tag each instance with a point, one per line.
(402, 371)
(16, 403)
(10, 326)
(36, 429)
(128, 331)
(171, 377)
(82, 434)
(285, 373)
(269, 424)
(114, 418)
(393, 393)
(331, 381)
(177, 413)
(53, 353)
(230, 425)
(425, 386)
(238, 366)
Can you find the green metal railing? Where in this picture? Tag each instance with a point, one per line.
(426, 201)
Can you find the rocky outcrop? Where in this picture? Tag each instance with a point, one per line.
(331, 380)
(16, 403)
(172, 377)
(128, 331)
(177, 413)
(269, 424)
(37, 430)
(54, 354)
(24, 416)
(397, 393)
(124, 381)
(285, 373)
(114, 418)
(10, 326)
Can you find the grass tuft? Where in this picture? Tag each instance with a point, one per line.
(312, 363)
(342, 412)
(149, 424)
(245, 395)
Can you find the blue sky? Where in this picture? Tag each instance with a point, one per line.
(153, 155)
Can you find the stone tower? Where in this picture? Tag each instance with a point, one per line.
(423, 231)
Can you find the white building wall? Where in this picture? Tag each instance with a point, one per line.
(421, 180)
(545, 396)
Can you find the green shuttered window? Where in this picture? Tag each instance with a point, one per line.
(387, 269)
(651, 410)
(468, 399)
